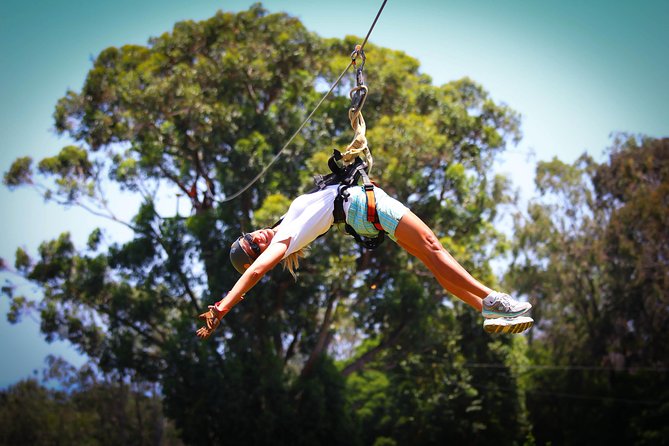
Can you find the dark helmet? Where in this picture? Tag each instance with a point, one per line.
(240, 258)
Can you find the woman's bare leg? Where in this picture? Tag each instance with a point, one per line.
(417, 238)
(464, 295)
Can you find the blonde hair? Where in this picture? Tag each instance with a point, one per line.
(292, 262)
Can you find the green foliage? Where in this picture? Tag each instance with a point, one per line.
(633, 190)
(22, 260)
(272, 209)
(19, 173)
(592, 255)
(94, 239)
(72, 161)
(368, 396)
(18, 306)
(321, 411)
(91, 413)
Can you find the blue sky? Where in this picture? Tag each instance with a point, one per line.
(576, 71)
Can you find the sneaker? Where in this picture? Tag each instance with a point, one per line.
(508, 324)
(502, 305)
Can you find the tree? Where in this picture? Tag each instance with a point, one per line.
(592, 255)
(82, 409)
(633, 190)
(201, 111)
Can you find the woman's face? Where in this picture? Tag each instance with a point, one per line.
(255, 243)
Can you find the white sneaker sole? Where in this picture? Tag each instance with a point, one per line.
(508, 325)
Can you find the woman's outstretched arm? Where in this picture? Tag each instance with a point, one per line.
(269, 258)
(261, 266)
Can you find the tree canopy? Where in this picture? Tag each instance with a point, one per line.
(592, 253)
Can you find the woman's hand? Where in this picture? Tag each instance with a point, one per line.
(212, 319)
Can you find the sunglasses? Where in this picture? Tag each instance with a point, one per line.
(254, 246)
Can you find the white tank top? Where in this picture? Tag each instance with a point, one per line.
(309, 216)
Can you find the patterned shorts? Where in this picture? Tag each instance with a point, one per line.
(389, 210)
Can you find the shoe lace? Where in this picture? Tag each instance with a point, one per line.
(504, 300)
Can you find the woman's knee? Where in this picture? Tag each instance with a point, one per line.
(432, 243)
(413, 232)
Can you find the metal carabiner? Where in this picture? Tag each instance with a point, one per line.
(358, 97)
(358, 52)
(358, 94)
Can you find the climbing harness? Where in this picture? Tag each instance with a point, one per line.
(358, 172)
(354, 167)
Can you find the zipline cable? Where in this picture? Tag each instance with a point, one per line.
(299, 129)
(378, 14)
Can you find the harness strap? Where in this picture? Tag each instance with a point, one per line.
(338, 212)
(369, 243)
(372, 215)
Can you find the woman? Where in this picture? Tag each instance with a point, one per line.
(311, 215)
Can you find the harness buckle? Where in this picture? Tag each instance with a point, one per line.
(320, 181)
(358, 96)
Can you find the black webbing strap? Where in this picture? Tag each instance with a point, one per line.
(369, 243)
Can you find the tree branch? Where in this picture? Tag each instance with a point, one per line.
(323, 335)
(182, 277)
(175, 180)
(142, 333)
(370, 355)
(290, 351)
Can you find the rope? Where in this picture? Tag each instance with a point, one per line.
(359, 144)
(308, 118)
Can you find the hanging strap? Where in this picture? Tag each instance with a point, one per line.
(356, 160)
(358, 94)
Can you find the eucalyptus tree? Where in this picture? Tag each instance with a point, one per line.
(591, 253)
